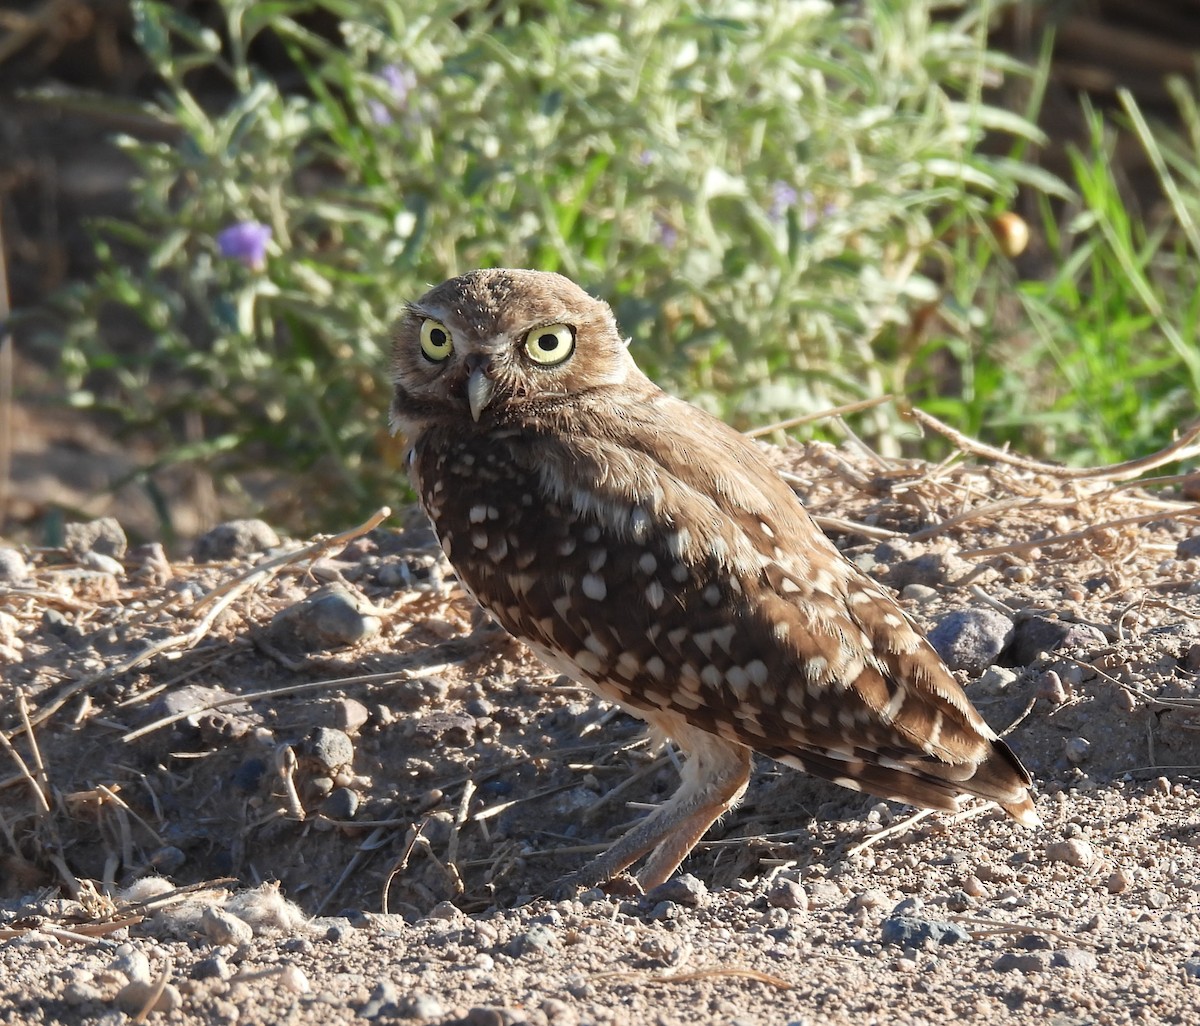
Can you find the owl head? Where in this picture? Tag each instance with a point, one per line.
(500, 347)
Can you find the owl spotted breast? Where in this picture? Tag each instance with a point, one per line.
(649, 551)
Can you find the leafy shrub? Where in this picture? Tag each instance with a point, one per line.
(760, 190)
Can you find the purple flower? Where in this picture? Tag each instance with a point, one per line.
(783, 198)
(646, 158)
(400, 80)
(668, 236)
(245, 241)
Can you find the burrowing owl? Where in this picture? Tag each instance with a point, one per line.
(649, 551)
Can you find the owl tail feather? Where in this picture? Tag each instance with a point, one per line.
(999, 777)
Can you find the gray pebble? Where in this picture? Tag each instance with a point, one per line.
(233, 539)
(1188, 548)
(350, 715)
(341, 804)
(135, 995)
(1040, 634)
(224, 928)
(329, 748)
(785, 893)
(384, 1001)
(971, 639)
(446, 728)
(132, 962)
(994, 681)
(912, 932)
(419, 1005)
(102, 563)
(1077, 750)
(1157, 899)
(683, 890)
(1074, 852)
(104, 536)
(13, 569)
(928, 570)
(212, 968)
(536, 938)
(484, 1015)
(918, 593)
(1191, 968)
(331, 617)
(167, 860)
(824, 892)
(1050, 688)
(1022, 962)
(1075, 958)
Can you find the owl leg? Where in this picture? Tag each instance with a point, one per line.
(714, 779)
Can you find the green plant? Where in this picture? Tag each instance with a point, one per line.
(757, 188)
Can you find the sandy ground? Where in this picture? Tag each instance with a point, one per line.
(272, 784)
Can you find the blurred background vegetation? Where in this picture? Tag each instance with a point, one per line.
(791, 205)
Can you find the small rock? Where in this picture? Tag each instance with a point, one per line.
(557, 1011)
(1118, 881)
(913, 932)
(929, 569)
(917, 593)
(1077, 750)
(487, 1016)
(1191, 968)
(871, 898)
(196, 701)
(331, 617)
(104, 536)
(536, 938)
(1022, 962)
(1075, 958)
(341, 804)
(973, 886)
(419, 1005)
(350, 715)
(330, 749)
(13, 569)
(224, 928)
(384, 1001)
(683, 890)
(132, 963)
(1039, 634)
(971, 639)
(1074, 852)
(785, 893)
(167, 860)
(1051, 689)
(212, 968)
(958, 901)
(134, 997)
(824, 893)
(293, 980)
(994, 681)
(1188, 548)
(913, 906)
(1157, 899)
(456, 730)
(234, 539)
(102, 563)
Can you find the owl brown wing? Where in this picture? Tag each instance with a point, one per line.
(684, 576)
(852, 690)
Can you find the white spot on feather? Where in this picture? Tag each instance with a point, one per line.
(593, 587)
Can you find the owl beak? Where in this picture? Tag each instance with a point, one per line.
(480, 388)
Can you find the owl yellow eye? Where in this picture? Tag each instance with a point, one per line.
(551, 344)
(436, 342)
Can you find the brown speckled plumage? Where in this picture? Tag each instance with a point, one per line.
(649, 551)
